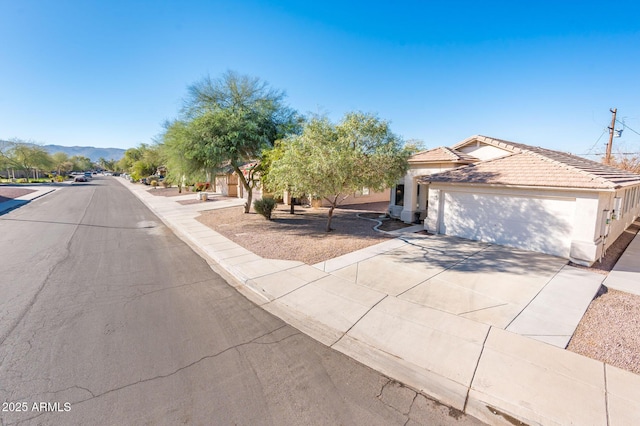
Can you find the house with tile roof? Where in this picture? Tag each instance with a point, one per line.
(532, 198)
(409, 199)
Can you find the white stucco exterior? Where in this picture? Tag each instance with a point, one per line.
(415, 195)
(575, 223)
(565, 223)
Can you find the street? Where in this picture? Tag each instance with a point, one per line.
(106, 317)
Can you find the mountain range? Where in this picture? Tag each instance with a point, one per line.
(94, 154)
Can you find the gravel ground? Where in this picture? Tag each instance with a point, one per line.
(169, 192)
(610, 329)
(300, 236)
(10, 192)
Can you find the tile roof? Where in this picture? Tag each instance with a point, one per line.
(535, 166)
(442, 154)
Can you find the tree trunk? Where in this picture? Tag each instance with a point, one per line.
(330, 216)
(247, 205)
(292, 207)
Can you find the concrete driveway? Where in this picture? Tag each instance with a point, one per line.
(533, 294)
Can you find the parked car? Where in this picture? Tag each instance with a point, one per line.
(88, 175)
(80, 178)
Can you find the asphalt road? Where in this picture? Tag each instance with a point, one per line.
(106, 317)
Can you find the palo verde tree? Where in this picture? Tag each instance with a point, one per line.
(80, 162)
(141, 161)
(62, 163)
(331, 161)
(175, 146)
(232, 120)
(29, 157)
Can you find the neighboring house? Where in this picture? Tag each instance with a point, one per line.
(532, 198)
(227, 183)
(365, 195)
(408, 198)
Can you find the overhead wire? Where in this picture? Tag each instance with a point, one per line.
(596, 143)
(625, 126)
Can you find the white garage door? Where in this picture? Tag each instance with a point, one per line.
(537, 224)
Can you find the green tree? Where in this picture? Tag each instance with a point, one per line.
(61, 163)
(180, 165)
(29, 157)
(5, 158)
(106, 164)
(232, 120)
(81, 162)
(332, 161)
(130, 156)
(141, 161)
(414, 146)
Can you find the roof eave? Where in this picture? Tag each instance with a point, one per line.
(502, 185)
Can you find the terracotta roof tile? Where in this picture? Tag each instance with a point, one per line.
(440, 155)
(535, 166)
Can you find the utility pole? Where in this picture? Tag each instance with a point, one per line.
(607, 158)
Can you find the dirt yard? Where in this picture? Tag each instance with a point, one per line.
(168, 192)
(300, 236)
(10, 192)
(610, 329)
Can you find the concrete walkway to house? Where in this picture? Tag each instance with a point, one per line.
(36, 191)
(478, 327)
(625, 275)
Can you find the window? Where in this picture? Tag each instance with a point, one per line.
(362, 192)
(400, 194)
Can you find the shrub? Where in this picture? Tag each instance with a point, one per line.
(154, 183)
(265, 206)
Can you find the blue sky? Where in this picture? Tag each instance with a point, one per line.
(108, 73)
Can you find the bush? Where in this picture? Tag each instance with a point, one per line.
(265, 207)
(202, 186)
(154, 183)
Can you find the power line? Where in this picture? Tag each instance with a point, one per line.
(594, 145)
(617, 153)
(627, 127)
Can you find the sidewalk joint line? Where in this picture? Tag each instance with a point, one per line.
(444, 270)
(359, 319)
(298, 288)
(482, 309)
(475, 370)
(535, 297)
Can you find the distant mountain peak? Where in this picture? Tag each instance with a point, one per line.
(93, 153)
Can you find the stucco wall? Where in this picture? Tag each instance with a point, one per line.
(358, 198)
(413, 202)
(623, 217)
(586, 238)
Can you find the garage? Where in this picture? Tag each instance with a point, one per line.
(542, 224)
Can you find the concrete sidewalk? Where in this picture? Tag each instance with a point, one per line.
(440, 315)
(625, 276)
(38, 191)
